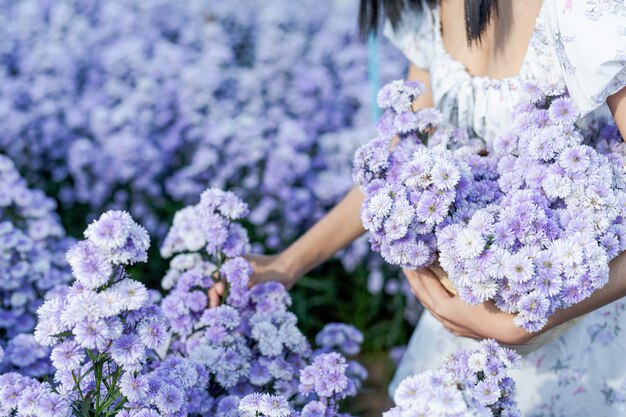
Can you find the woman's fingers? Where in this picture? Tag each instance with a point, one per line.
(435, 288)
(415, 279)
(215, 294)
(433, 296)
(440, 297)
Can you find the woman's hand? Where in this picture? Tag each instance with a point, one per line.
(479, 321)
(265, 268)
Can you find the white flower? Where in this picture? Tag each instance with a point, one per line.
(557, 186)
(113, 302)
(406, 395)
(478, 361)
(569, 252)
(520, 268)
(134, 294)
(469, 243)
(380, 204)
(185, 261)
(482, 221)
(484, 291)
(402, 211)
(83, 305)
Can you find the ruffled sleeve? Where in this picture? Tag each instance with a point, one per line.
(590, 41)
(414, 35)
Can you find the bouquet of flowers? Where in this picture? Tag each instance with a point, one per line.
(547, 244)
(412, 190)
(103, 332)
(471, 383)
(32, 268)
(251, 342)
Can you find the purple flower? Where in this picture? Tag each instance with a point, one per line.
(110, 231)
(563, 110)
(135, 388)
(128, 352)
(469, 383)
(169, 399)
(67, 356)
(274, 406)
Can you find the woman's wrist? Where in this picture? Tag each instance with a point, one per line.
(289, 263)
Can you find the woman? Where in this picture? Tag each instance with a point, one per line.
(473, 76)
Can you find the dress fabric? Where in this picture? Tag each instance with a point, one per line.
(582, 42)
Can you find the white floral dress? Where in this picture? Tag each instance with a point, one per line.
(583, 371)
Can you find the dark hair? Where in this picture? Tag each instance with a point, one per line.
(478, 13)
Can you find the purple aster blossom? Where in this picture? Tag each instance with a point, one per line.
(251, 340)
(575, 159)
(430, 209)
(91, 334)
(428, 118)
(110, 231)
(314, 409)
(534, 93)
(445, 176)
(563, 110)
(128, 352)
(134, 294)
(67, 356)
(53, 405)
(274, 406)
(534, 305)
(406, 122)
(341, 337)
(228, 406)
(90, 266)
(169, 399)
(250, 403)
(152, 332)
(488, 392)
(469, 383)
(135, 388)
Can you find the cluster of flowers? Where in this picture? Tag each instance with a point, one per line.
(112, 99)
(324, 382)
(410, 189)
(250, 343)
(547, 244)
(471, 383)
(103, 332)
(32, 268)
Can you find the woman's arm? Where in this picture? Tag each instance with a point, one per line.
(342, 224)
(485, 320)
(332, 233)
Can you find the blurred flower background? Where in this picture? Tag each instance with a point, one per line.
(143, 104)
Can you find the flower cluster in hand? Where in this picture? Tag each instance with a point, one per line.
(411, 189)
(103, 331)
(139, 105)
(471, 383)
(547, 244)
(251, 342)
(32, 268)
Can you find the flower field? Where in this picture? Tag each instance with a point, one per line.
(141, 106)
(150, 150)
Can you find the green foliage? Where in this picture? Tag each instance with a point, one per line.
(330, 294)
